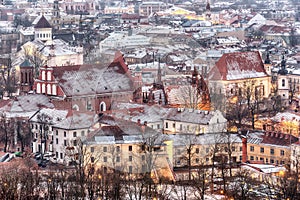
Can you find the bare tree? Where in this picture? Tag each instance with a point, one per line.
(36, 58)
(7, 131)
(242, 186)
(8, 79)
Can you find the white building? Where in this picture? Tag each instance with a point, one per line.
(189, 121)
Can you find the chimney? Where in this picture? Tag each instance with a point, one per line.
(244, 150)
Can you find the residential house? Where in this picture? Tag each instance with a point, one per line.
(269, 147)
(204, 150)
(42, 123)
(129, 148)
(68, 133)
(190, 121)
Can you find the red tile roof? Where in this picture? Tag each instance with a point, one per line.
(238, 65)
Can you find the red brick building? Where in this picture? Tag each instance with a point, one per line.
(87, 87)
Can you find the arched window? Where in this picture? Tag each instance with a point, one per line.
(38, 88)
(283, 83)
(49, 76)
(102, 106)
(48, 89)
(75, 107)
(43, 88)
(43, 75)
(54, 89)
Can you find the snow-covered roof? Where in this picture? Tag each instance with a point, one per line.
(55, 115)
(204, 139)
(238, 65)
(191, 116)
(77, 120)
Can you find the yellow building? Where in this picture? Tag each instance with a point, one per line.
(129, 148)
(269, 147)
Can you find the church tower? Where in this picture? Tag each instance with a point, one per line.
(267, 64)
(207, 10)
(282, 80)
(56, 15)
(43, 30)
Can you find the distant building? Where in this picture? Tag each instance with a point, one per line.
(151, 7)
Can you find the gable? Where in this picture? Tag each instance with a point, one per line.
(238, 65)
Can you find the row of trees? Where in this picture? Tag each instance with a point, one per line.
(24, 181)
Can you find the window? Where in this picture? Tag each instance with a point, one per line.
(197, 160)
(56, 154)
(282, 152)
(207, 150)
(206, 159)
(61, 155)
(56, 140)
(130, 169)
(118, 159)
(241, 148)
(92, 159)
(82, 133)
(118, 149)
(272, 161)
(158, 126)
(65, 134)
(267, 160)
(251, 148)
(261, 159)
(197, 150)
(167, 125)
(65, 142)
(130, 148)
(180, 127)
(251, 158)
(272, 151)
(74, 134)
(174, 125)
(262, 150)
(105, 159)
(130, 158)
(143, 157)
(92, 149)
(241, 157)
(232, 148)
(283, 83)
(104, 149)
(56, 132)
(75, 142)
